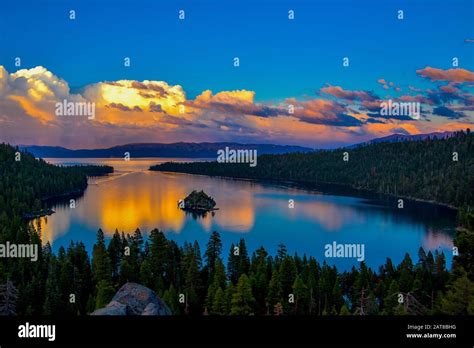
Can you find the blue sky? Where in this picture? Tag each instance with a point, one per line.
(279, 58)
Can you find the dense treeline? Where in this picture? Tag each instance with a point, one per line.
(440, 170)
(25, 181)
(256, 284)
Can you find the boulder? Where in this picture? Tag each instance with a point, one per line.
(134, 299)
(151, 309)
(113, 308)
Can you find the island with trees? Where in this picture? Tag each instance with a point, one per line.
(197, 202)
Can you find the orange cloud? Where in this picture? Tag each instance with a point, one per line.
(339, 92)
(32, 110)
(154, 111)
(453, 75)
(134, 95)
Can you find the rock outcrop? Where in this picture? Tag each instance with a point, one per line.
(198, 202)
(134, 299)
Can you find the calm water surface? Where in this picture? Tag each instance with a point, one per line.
(258, 212)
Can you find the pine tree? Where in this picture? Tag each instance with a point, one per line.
(300, 291)
(102, 272)
(390, 302)
(115, 252)
(192, 283)
(146, 275)
(82, 277)
(105, 292)
(244, 261)
(66, 280)
(219, 305)
(281, 254)
(337, 299)
(8, 298)
(127, 272)
(159, 260)
(220, 277)
(233, 265)
(101, 267)
(274, 290)
(213, 253)
(197, 254)
(135, 243)
(52, 304)
(229, 294)
(243, 301)
(211, 291)
(459, 299)
(287, 273)
(171, 298)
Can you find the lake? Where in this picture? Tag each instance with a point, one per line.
(258, 212)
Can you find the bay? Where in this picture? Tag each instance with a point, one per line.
(259, 212)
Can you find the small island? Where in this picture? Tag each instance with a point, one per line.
(197, 202)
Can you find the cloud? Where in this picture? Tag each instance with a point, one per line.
(340, 93)
(387, 85)
(447, 112)
(320, 111)
(452, 75)
(132, 94)
(155, 107)
(154, 111)
(123, 107)
(233, 102)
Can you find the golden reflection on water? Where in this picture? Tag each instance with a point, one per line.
(125, 206)
(149, 199)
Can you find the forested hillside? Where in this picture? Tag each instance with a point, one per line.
(249, 284)
(26, 181)
(24, 184)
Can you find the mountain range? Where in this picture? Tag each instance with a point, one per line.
(394, 138)
(184, 150)
(198, 150)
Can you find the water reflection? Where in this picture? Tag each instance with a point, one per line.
(136, 198)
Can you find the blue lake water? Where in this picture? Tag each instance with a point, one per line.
(258, 212)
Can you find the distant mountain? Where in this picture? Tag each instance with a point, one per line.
(186, 150)
(199, 150)
(394, 138)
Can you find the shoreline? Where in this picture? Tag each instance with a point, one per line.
(301, 184)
